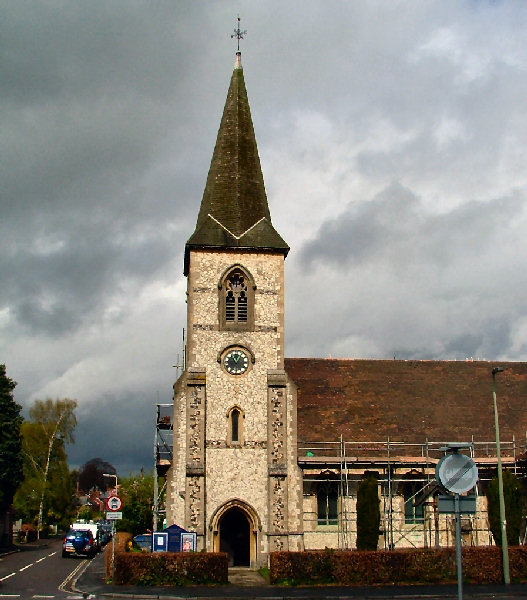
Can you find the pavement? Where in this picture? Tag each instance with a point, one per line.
(246, 583)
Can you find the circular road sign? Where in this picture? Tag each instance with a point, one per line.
(457, 473)
(114, 503)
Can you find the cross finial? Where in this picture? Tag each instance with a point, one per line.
(238, 33)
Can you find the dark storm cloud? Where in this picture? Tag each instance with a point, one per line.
(118, 427)
(60, 290)
(85, 102)
(395, 224)
(392, 138)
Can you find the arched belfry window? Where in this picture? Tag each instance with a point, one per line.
(235, 418)
(236, 303)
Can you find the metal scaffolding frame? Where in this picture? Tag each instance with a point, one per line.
(163, 448)
(396, 463)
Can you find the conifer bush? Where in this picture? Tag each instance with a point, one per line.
(368, 513)
(513, 508)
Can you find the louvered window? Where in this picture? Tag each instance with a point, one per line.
(236, 298)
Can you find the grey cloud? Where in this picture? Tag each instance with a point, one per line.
(397, 225)
(120, 428)
(109, 112)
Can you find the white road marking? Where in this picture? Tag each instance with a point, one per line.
(40, 559)
(7, 576)
(26, 567)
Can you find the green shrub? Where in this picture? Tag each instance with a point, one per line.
(513, 508)
(170, 568)
(346, 567)
(368, 513)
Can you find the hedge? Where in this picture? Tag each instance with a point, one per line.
(120, 544)
(481, 564)
(170, 568)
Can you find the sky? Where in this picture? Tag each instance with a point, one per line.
(393, 141)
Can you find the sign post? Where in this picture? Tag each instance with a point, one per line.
(114, 505)
(458, 474)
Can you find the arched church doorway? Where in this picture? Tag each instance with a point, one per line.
(235, 537)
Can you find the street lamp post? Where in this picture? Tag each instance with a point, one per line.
(503, 520)
(111, 475)
(113, 526)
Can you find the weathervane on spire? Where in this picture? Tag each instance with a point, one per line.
(238, 33)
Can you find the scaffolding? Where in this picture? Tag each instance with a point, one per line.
(396, 464)
(163, 449)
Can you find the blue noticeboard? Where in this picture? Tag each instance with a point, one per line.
(159, 542)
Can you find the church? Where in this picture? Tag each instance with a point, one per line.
(268, 451)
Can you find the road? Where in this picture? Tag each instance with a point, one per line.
(39, 572)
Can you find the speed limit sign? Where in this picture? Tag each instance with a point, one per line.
(114, 503)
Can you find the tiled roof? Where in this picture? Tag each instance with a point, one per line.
(409, 401)
(234, 212)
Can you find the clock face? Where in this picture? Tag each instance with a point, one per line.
(236, 362)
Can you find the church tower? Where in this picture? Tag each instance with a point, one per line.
(234, 478)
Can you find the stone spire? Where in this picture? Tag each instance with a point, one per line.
(234, 212)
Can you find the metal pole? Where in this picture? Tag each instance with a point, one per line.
(459, 563)
(156, 490)
(113, 526)
(503, 520)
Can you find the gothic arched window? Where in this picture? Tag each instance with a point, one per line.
(236, 304)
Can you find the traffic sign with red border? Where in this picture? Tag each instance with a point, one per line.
(114, 503)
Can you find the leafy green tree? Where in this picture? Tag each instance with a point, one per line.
(512, 493)
(44, 439)
(10, 443)
(368, 513)
(137, 494)
(59, 504)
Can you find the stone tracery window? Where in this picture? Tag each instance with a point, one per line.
(236, 300)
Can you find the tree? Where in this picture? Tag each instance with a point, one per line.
(51, 427)
(11, 472)
(137, 494)
(91, 474)
(59, 500)
(368, 513)
(513, 508)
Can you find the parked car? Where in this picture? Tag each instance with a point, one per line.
(79, 542)
(106, 533)
(95, 528)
